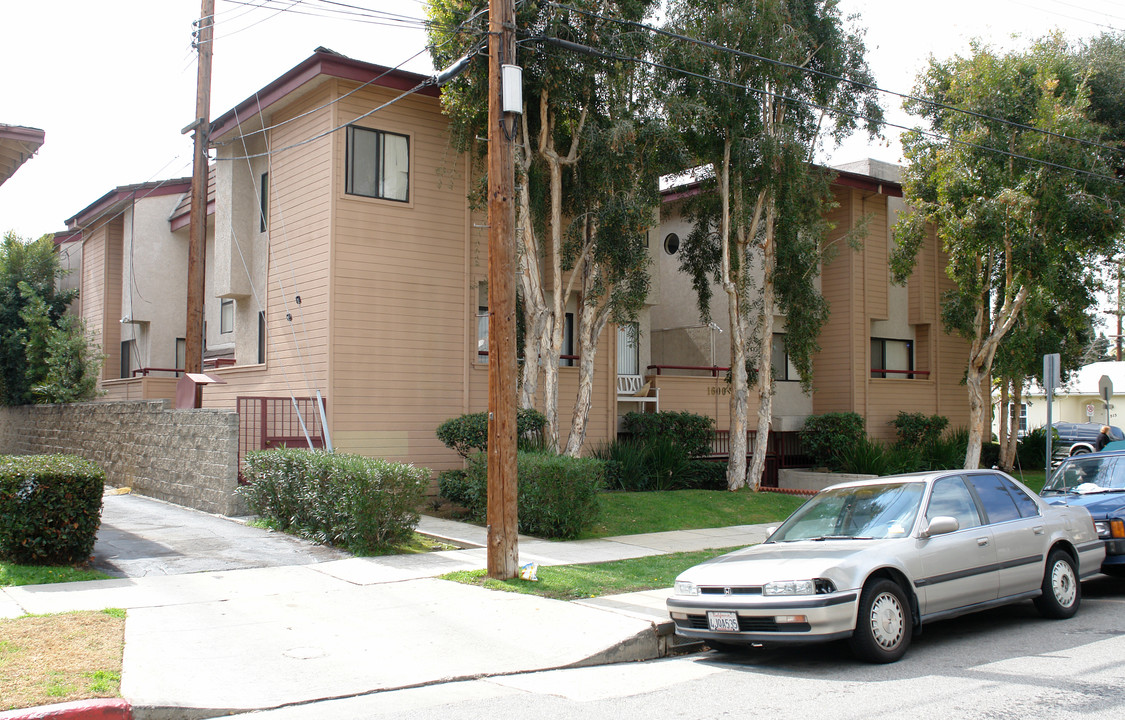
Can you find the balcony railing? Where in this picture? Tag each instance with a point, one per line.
(924, 374)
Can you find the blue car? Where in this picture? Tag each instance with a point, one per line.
(1095, 481)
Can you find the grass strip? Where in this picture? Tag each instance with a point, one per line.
(12, 574)
(644, 512)
(47, 659)
(574, 582)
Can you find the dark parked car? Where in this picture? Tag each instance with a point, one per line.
(1095, 481)
(1079, 438)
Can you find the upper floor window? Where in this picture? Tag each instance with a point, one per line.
(892, 358)
(378, 164)
(783, 367)
(226, 316)
(264, 203)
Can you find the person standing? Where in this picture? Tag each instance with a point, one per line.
(1103, 439)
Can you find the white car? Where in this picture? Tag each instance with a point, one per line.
(872, 561)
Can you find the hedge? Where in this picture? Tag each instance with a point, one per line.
(359, 503)
(467, 434)
(50, 508)
(557, 495)
(690, 431)
(827, 437)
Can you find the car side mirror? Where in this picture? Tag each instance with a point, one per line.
(941, 525)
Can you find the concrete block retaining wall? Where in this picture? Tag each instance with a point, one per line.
(795, 479)
(188, 457)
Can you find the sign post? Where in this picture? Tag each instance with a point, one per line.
(1050, 382)
(1105, 389)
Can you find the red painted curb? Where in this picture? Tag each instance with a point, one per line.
(106, 709)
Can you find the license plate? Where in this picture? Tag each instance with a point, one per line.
(722, 621)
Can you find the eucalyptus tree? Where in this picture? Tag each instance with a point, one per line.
(1021, 193)
(752, 105)
(580, 179)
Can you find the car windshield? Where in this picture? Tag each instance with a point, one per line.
(859, 512)
(1089, 472)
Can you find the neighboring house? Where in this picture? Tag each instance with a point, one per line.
(1077, 401)
(17, 145)
(882, 351)
(344, 261)
(132, 272)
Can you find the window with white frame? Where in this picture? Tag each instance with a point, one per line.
(482, 321)
(226, 317)
(568, 341)
(628, 356)
(378, 164)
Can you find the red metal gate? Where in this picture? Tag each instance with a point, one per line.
(274, 422)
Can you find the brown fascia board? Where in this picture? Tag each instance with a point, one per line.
(181, 215)
(322, 62)
(119, 195)
(843, 178)
(31, 135)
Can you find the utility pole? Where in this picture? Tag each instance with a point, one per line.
(197, 228)
(503, 554)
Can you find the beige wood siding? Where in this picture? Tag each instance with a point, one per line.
(300, 213)
(399, 300)
(702, 395)
(834, 367)
(873, 212)
(101, 290)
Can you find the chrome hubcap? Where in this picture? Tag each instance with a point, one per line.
(887, 621)
(1063, 583)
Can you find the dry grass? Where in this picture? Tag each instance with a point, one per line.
(47, 659)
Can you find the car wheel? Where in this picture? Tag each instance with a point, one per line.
(1061, 590)
(884, 626)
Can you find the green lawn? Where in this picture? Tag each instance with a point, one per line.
(645, 512)
(573, 582)
(12, 574)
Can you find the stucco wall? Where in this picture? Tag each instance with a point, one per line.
(189, 457)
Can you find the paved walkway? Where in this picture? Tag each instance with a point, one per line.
(224, 617)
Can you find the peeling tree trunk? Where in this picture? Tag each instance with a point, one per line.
(594, 318)
(535, 311)
(765, 359)
(1012, 449)
(1003, 427)
(736, 464)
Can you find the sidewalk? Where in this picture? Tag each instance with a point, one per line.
(289, 623)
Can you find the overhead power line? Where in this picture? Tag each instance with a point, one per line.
(813, 71)
(584, 49)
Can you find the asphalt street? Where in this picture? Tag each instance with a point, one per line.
(1000, 664)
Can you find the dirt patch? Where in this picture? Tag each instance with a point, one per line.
(47, 659)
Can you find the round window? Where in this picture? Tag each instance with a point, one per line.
(672, 243)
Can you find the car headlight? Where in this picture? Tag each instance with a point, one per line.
(684, 587)
(790, 587)
(1102, 528)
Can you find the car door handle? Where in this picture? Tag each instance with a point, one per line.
(1038, 529)
(982, 541)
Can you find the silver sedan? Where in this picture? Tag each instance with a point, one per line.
(872, 561)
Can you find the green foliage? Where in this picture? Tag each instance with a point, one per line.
(467, 434)
(355, 502)
(557, 495)
(30, 311)
(690, 431)
(73, 362)
(826, 437)
(50, 508)
(915, 429)
(871, 457)
(1032, 452)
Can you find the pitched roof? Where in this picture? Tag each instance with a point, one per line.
(1084, 381)
(17, 145)
(116, 199)
(181, 216)
(309, 73)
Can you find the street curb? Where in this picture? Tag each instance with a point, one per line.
(103, 709)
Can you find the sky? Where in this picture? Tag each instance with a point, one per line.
(112, 83)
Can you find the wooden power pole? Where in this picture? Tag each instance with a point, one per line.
(197, 228)
(503, 554)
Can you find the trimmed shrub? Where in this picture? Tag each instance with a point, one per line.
(827, 436)
(467, 434)
(690, 431)
(50, 508)
(1032, 452)
(557, 497)
(915, 429)
(355, 502)
(704, 475)
(656, 464)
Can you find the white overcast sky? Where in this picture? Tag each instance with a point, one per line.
(113, 82)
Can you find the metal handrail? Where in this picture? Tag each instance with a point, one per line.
(713, 369)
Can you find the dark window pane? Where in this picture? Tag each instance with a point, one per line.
(997, 502)
(1024, 503)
